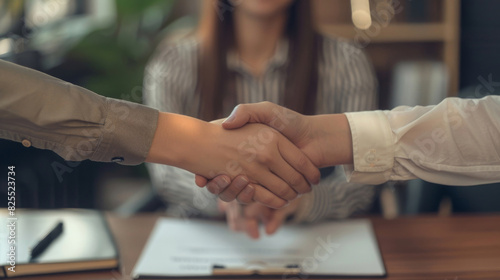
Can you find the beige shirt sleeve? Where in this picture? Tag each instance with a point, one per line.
(47, 113)
(456, 142)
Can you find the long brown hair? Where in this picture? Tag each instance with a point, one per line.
(216, 31)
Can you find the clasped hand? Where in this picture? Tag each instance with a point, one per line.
(277, 171)
(324, 139)
(312, 135)
(272, 169)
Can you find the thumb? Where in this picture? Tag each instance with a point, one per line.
(291, 124)
(249, 113)
(238, 118)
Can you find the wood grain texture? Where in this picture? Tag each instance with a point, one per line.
(467, 247)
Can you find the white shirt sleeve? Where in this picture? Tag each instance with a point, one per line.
(456, 142)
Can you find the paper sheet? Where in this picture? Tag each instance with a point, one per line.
(192, 247)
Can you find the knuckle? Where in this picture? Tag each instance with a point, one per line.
(286, 193)
(307, 188)
(302, 162)
(296, 180)
(283, 192)
(212, 185)
(264, 158)
(240, 107)
(211, 189)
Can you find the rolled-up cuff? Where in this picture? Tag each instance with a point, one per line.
(373, 148)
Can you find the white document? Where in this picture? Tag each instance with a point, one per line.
(179, 248)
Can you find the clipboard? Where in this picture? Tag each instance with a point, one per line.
(256, 268)
(208, 249)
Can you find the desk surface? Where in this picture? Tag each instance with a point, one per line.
(413, 248)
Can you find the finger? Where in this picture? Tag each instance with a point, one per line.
(301, 163)
(252, 227)
(200, 180)
(218, 184)
(246, 195)
(291, 177)
(275, 222)
(222, 206)
(267, 198)
(235, 219)
(238, 117)
(218, 121)
(275, 184)
(280, 118)
(249, 113)
(253, 213)
(236, 186)
(265, 214)
(258, 211)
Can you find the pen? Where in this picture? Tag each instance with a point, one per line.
(41, 246)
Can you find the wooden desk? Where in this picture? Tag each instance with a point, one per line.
(413, 248)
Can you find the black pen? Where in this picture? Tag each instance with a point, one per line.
(41, 246)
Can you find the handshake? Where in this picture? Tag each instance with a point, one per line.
(271, 154)
(267, 154)
(261, 153)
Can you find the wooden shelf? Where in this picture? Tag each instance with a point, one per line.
(436, 37)
(393, 33)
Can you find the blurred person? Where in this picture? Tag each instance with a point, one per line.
(47, 113)
(250, 52)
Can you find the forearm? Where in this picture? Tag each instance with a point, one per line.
(77, 124)
(330, 138)
(176, 140)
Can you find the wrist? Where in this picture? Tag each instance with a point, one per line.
(174, 141)
(332, 139)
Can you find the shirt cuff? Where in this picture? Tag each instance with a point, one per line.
(373, 148)
(127, 133)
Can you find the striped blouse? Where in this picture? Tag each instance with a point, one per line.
(346, 82)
